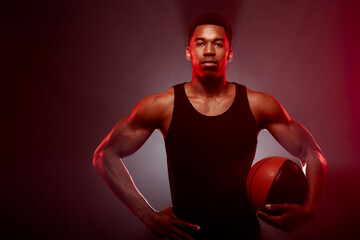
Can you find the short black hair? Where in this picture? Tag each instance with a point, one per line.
(211, 19)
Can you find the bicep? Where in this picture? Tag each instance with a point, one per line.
(293, 136)
(130, 133)
(128, 136)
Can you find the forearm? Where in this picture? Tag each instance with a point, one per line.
(299, 142)
(316, 169)
(113, 171)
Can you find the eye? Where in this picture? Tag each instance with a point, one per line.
(199, 44)
(219, 44)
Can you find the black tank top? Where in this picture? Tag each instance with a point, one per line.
(209, 158)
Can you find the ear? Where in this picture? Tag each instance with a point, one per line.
(188, 53)
(230, 55)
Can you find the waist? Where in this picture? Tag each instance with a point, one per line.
(224, 226)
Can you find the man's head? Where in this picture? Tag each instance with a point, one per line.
(211, 19)
(209, 46)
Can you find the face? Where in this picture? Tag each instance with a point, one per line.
(209, 51)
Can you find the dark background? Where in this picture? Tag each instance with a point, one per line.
(72, 69)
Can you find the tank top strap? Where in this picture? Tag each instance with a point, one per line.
(179, 109)
(242, 105)
(240, 94)
(180, 95)
(181, 102)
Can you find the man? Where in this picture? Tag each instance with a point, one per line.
(210, 127)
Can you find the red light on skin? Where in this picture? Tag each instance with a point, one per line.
(209, 52)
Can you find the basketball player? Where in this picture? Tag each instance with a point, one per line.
(210, 128)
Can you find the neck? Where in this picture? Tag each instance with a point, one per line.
(209, 87)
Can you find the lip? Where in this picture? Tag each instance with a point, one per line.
(209, 62)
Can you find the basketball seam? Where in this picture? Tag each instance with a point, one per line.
(276, 178)
(253, 176)
(281, 169)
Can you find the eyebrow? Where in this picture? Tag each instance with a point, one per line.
(203, 39)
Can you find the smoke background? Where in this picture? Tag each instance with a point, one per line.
(71, 70)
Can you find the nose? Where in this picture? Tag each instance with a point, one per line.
(209, 50)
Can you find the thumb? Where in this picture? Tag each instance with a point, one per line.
(265, 217)
(278, 207)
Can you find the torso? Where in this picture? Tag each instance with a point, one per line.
(206, 106)
(202, 162)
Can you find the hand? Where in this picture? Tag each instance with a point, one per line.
(293, 216)
(165, 225)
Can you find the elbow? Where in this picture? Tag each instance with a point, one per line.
(99, 153)
(98, 156)
(97, 159)
(99, 162)
(101, 158)
(322, 161)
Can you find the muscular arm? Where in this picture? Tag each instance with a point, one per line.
(298, 142)
(125, 139)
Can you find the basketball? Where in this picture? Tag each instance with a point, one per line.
(275, 180)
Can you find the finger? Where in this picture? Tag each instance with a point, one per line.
(188, 225)
(263, 216)
(278, 207)
(180, 235)
(271, 220)
(267, 218)
(173, 236)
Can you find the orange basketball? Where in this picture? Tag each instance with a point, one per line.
(275, 180)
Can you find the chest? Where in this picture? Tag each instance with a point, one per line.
(211, 106)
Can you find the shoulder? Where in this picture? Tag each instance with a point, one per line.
(158, 102)
(261, 100)
(266, 108)
(153, 108)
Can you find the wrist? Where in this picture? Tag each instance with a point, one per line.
(310, 205)
(147, 216)
(310, 209)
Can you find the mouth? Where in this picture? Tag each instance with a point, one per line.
(209, 62)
